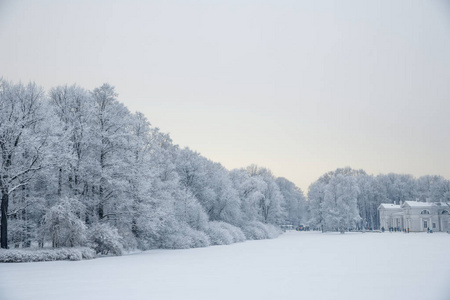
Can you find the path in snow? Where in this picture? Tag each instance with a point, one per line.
(297, 265)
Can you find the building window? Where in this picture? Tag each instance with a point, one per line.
(425, 224)
(434, 225)
(424, 212)
(445, 212)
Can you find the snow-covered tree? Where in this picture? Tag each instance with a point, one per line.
(440, 191)
(72, 137)
(339, 207)
(111, 120)
(294, 201)
(368, 201)
(22, 143)
(397, 187)
(105, 239)
(271, 202)
(62, 224)
(77, 167)
(316, 196)
(249, 189)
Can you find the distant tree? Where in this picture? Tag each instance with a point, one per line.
(250, 191)
(397, 188)
(339, 207)
(271, 202)
(294, 201)
(440, 191)
(226, 202)
(347, 171)
(367, 201)
(316, 196)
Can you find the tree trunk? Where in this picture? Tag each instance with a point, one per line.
(4, 221)
(27, 242)
(100, 190)
(100, 203)
(59, 182)
(134, 226)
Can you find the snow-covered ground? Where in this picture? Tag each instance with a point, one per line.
(297, 265)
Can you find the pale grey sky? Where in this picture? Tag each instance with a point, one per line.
(301, 87)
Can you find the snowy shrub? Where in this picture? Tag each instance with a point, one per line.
(253, 231)
(176, 240)
(273, 231)
(105, 239)
(33, 255)
(258, 231)
(184, 238)
(218, 234)
(63, 225)
(162, 236)
(222, 233)
(235, 232)
(129, 241)
(199, 239)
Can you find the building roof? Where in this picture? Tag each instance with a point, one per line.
(389, 206)
(426, 204)
(419, 204)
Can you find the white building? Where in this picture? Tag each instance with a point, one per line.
(417, 216)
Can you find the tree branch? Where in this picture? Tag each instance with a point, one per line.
(17, 210)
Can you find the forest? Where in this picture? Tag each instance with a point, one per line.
(77, 168)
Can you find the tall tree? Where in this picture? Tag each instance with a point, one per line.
(111, 157)
(249, 189)
(72, 137)
(316, 196)
(22, 142)
(340, 203)
(270, 205)
(294, 201)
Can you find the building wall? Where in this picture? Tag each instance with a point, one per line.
(444, 221)
(414, 219)
(388, 220)
(422, 222)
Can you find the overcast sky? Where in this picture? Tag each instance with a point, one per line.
(300, 87)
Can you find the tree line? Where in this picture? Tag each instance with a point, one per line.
(346, 198)
(78, 167)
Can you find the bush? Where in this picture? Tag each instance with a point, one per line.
(254, 231)
(63, 225)
(200, 239)
(236, 232)
(33, 255)
(258, 231)
(176, 240)
(104, 239)
(218, 234)
(273, 231)
(222, 233)
(185, 237)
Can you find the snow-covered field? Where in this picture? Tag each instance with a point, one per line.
(297, 265)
